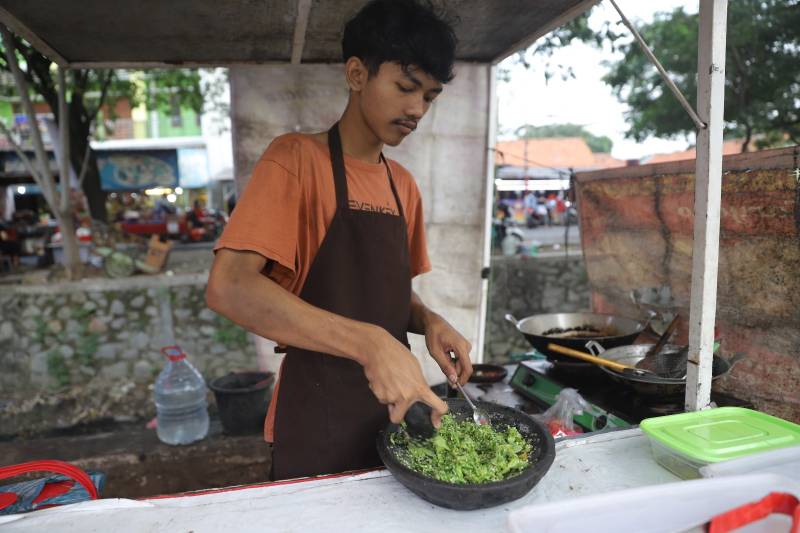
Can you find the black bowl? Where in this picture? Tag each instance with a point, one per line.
(476, 496)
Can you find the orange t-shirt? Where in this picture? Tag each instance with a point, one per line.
(287, 206)
(289, 203)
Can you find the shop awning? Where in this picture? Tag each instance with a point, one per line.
(106, 33)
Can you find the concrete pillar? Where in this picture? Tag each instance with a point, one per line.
(446, 154)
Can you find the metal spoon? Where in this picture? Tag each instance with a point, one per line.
(662, 341)
(478, 415)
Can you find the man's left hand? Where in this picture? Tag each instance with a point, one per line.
(442, 339)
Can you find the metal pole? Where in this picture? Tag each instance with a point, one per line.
(491, 142)
(707, 197)
(698, 122)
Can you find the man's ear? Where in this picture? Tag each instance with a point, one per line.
(356, 74)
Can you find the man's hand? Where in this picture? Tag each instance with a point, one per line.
(395, 377)
(442, 339)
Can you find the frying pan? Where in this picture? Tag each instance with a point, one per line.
(615, 331)
(476, 496)
(657, 386)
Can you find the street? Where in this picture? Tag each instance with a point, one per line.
(548, 236)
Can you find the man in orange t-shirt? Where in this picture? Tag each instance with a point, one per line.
(320, 253)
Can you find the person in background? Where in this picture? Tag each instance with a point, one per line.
(551, 208)
(196, 215)
(541, 211)
(561, 209)
(9, 244)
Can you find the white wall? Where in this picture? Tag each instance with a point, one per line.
(446, 154)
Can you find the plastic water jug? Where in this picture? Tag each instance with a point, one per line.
(180, 397)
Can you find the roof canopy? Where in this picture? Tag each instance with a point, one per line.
(152, 33)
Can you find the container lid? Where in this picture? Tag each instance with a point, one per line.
(724, 433)
(173, 353)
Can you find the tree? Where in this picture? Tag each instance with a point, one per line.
(576, 29)
(96, 90)
(762, 91)
(596, 143)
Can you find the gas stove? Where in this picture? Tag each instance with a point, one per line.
(533, 386)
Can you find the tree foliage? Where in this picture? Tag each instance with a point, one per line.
(596, 143)
(575, 30)
(762, 91)
(762, 88)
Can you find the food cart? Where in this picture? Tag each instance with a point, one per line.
(594, 467)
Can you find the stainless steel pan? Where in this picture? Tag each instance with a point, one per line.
(652, 385)
(609, 331)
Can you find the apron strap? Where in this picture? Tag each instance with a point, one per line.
(340, 177)
(337, 161)
(394, 189)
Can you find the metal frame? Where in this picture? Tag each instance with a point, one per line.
(699, 124)
(300, 27)
(491, 142)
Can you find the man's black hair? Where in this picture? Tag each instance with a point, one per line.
(409, 32)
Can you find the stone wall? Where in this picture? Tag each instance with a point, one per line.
(525, 286)
(98, 341)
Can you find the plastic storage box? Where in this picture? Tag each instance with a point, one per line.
(686, 442)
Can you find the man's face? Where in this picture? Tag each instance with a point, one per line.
(395, 100)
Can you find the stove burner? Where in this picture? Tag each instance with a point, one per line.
(611, 397)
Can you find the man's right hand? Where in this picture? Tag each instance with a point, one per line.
(238, 290)
(395, 377)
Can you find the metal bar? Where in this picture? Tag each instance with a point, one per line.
(146, 64)
(64, 163)
(699, 124)
(300, 26)
(707, 198)
(29, 35)
(491, 141)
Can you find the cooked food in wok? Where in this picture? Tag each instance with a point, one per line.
(577, 332)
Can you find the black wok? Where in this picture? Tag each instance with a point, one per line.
(653, 385)
(614, 331)
(476, 496)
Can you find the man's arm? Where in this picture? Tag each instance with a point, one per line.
(237, 290)
(441, 339)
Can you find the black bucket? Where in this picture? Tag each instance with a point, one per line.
(242, 399)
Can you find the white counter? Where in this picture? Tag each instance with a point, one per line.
(371, 501)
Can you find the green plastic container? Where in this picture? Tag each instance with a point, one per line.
(686, 442)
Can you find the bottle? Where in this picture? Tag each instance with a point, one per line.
(180, 397)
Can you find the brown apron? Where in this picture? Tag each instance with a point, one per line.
(326, 417)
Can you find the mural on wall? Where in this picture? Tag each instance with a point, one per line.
(138, 169)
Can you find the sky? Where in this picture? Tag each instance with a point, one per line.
(586, 100)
